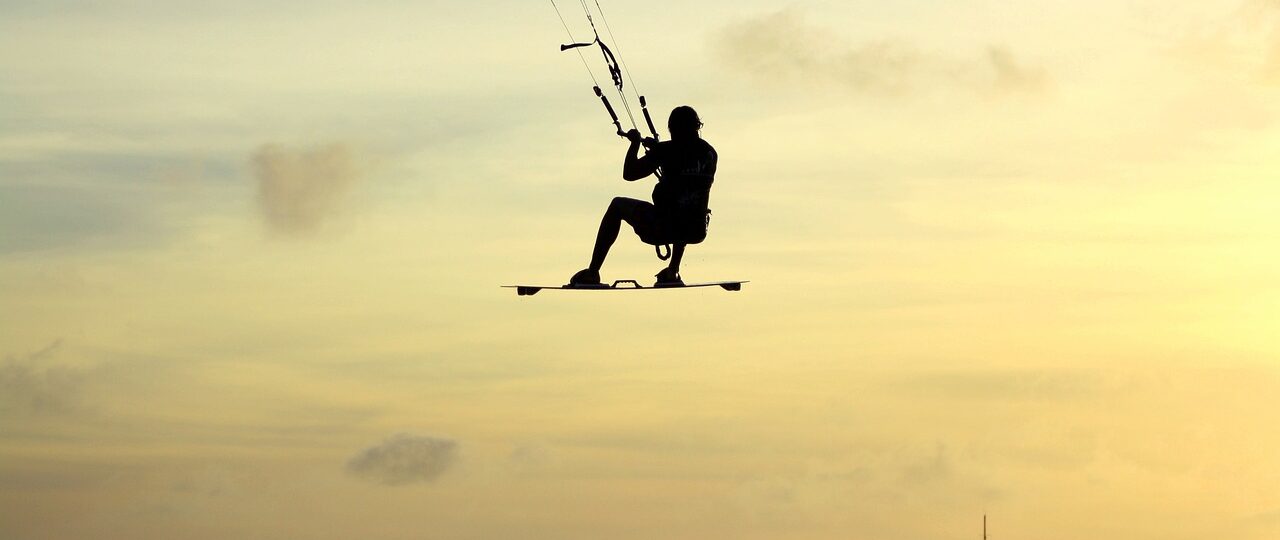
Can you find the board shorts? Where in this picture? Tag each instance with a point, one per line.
(659, 229)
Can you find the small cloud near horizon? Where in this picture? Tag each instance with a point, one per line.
(405, 459)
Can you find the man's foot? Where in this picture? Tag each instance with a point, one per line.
(585, 278)
(668, 277)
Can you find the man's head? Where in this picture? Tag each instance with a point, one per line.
(684, 122)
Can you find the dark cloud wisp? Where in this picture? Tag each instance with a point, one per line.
(783, 48)
(30, 383)
(299, 189)
(405, 459)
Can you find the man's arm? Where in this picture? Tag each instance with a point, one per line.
(636, 167)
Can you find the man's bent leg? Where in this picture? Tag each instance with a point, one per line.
(620, 209)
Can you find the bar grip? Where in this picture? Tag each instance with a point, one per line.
(644, 107)
(612, 114)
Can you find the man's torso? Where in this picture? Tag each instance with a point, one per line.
(688, 169)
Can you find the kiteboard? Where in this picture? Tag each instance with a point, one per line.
(624, 285)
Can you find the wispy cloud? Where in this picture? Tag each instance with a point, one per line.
(784, 48)
(1015, 76)
(1271, 62)
(1240, 41)
(29, 383)
(933, 469)
(1014, 385)
(405, 459)
(298, 189)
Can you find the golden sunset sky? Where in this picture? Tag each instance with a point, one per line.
(1006, 258)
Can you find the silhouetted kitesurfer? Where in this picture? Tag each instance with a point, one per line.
(685, 167)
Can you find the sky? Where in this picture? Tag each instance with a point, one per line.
(1006, 259)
